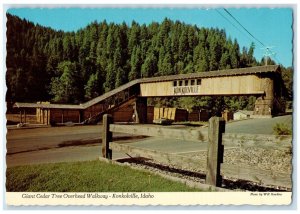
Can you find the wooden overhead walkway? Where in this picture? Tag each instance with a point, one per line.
(258, 81)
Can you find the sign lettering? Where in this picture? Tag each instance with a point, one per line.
(186, 90)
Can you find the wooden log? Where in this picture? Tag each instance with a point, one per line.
(254, 174)
(173, 114)
(24, 116)
(169, 113)
(79, 119)
(161, 113)
(20, 116)
(47, 112)
(278, 142)
(215, 151)
(106, 136)
(43, 116)
(40, 115)
(62, 116)
(182, 134)
(165, 158)
(166, 111)
(156, 113)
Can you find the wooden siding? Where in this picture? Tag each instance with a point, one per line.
(15, 118)
(123, 115)
(63, 116)
(170, 113)
(150, 114)
(228, 85)
(199, 116)
(93, 110)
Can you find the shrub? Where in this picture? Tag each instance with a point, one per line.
(282, 129)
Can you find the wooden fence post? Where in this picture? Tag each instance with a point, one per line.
(107, 136)
(215, 151)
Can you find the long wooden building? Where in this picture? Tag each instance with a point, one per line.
(264, 82)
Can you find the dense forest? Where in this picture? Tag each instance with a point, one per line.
(73, 67)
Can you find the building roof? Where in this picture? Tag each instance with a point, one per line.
(219, 73)
(244, 112)
(47, 106)
(208, 74)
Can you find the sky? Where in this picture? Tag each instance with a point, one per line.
(269, 27)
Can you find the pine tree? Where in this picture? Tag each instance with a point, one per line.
(110, 77)
(65, 87)
(149, 67)
(135, 64)
(134, 37)
(92, 86)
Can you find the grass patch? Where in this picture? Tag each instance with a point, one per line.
(88, 176)
(282, 129)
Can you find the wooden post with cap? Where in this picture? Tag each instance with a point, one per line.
(215, 151)
(107, 136)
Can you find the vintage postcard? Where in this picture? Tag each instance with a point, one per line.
(149, 105)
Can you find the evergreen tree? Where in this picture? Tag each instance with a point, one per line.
(110, 77)
(234, 53)
(65, 87)
(93, 86)
(135, 64)
(149, 67)
(133, 39)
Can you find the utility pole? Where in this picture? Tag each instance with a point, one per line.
(268, 53)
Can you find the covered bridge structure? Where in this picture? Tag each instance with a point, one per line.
(264, 82)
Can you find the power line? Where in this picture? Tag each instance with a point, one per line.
(243, 26)
(277, 59)
(234, 25)
(267, 53)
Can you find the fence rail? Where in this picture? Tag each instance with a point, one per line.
(166, 158)
(216, 138)
(187, 135)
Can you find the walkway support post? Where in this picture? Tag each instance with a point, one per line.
(140, 110)
(215, 151)
(107, 136)
(264, 105)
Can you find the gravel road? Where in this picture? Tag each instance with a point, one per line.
(257, 126)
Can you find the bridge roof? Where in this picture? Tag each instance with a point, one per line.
(110, 93)
(218, 73)
(47, 106)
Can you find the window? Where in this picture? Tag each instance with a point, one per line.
(186, 83)
(174, 83)
(180, 83)
(198, 81)
(192, 82)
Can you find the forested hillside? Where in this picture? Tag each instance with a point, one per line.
(72, 67)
